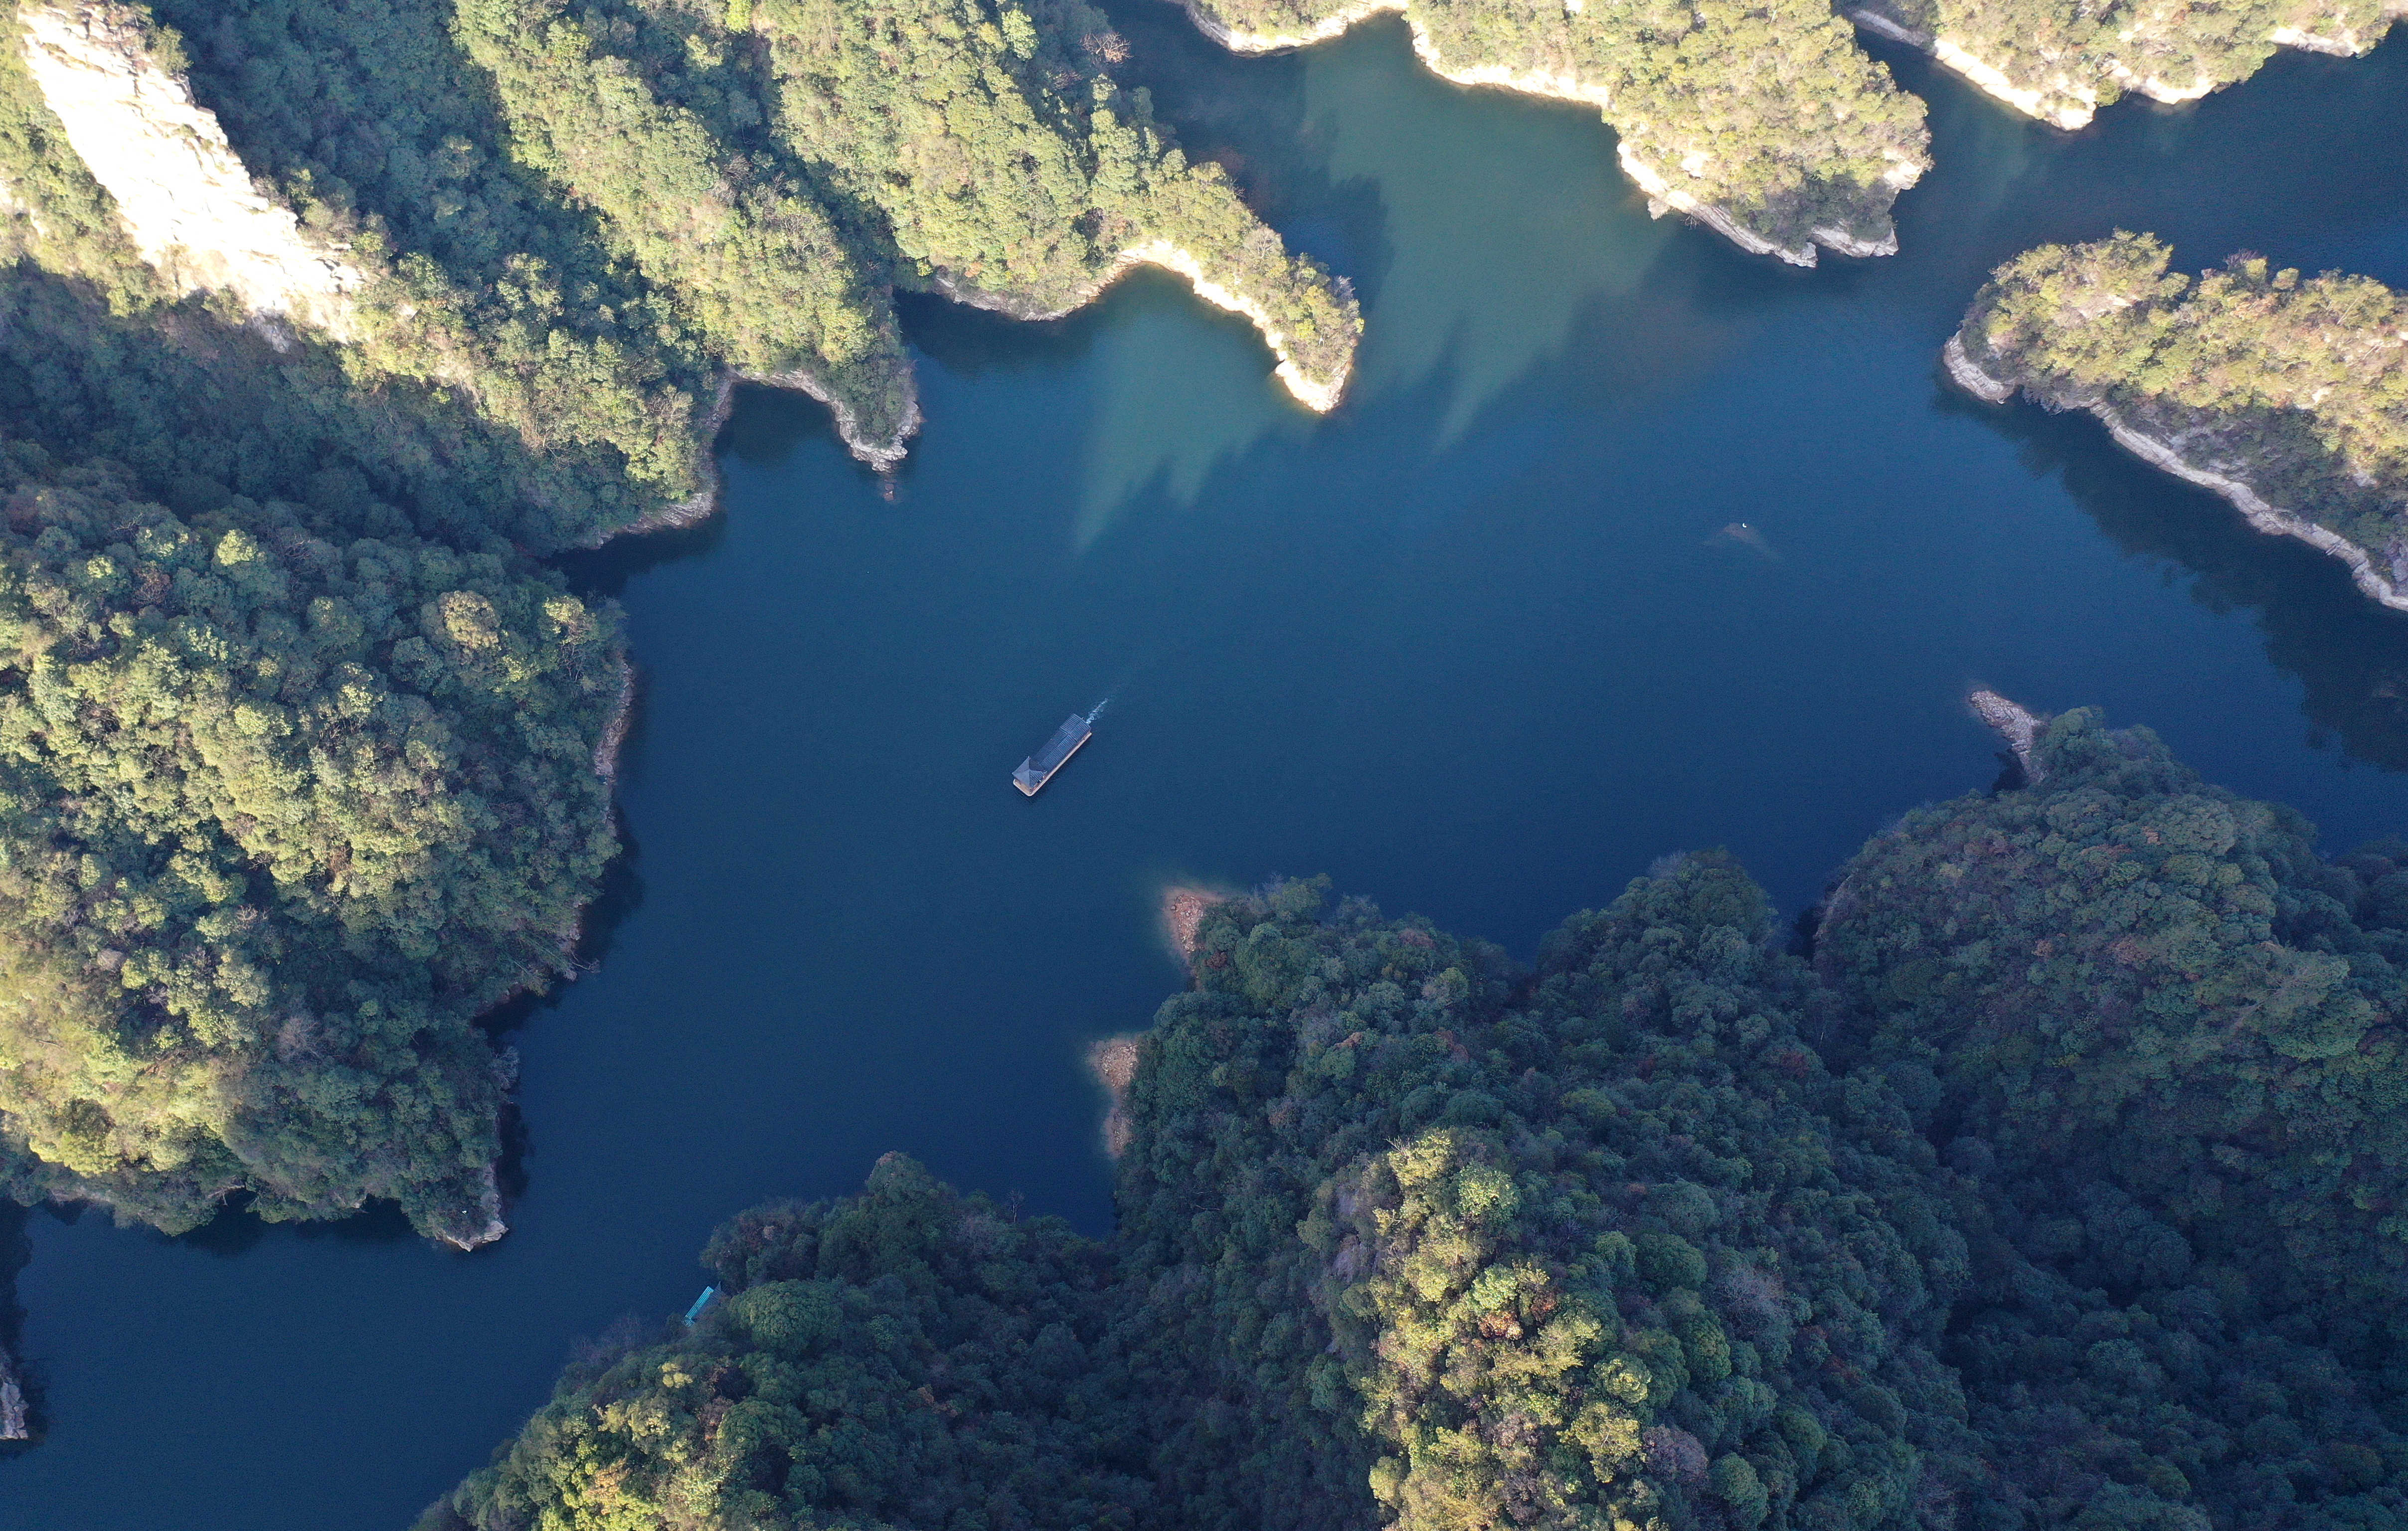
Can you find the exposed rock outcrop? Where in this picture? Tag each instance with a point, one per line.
(2191, 455)
(1183, 909)
(477, 1223)
(1113, 1062)
(190, 207)
(1664, 196)
(1317, 392)
(1971, 378)
(614, 732)
(2015, 726)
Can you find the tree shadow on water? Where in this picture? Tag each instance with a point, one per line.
(2350, 654)
(1248, 115)
(237, 1229)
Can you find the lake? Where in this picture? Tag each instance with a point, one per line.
(1472, 645)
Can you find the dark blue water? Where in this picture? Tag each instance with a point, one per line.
(1471, 645)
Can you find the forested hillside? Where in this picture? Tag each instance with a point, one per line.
(1762, 119)
(660, 191)
(2288, 394)
(321, 322)
(2054, 1187)
(296, 747)
(2062, 62)
(907, 1357)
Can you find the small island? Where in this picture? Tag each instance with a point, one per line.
(2051, 1179)
(2286, 395)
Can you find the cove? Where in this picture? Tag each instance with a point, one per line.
(1473, 645)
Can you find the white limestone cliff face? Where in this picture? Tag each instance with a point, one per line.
(1968, 376)
(190, 207)
(1665, 195)
(1319, 394)
(2342, 41)
(478, 1223)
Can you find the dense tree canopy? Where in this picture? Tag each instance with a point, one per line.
(299, 773)
(297, 747)
(907, 1357)
(2044, 1193)
(279, 816)
(2294, 386)
(2124, 975)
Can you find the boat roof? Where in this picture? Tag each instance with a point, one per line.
(1057, 749)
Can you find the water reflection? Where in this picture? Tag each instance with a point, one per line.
(1483, 230)
(1509, 219)
(2350, 654)
(1181, 396)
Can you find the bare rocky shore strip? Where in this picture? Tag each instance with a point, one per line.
(1318, 395)
(2173, 452)
(12, 1401)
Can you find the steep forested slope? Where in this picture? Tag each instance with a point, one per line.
(300, 776)
(2056, 1190)
(667, 190)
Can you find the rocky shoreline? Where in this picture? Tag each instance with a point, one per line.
(470, 1234)
(2167, 453)
(1662, 195)
(1320, 395)
(12, 1401)
(2068, 103)
(2016, 727)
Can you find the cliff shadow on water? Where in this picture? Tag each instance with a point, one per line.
(2350, 653)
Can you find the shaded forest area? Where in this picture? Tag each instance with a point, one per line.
(2056, 1183)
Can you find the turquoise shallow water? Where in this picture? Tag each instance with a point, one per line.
(1471, 645)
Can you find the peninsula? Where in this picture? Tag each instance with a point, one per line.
(1764, 123)
(2053, 1178)
(2286, 395)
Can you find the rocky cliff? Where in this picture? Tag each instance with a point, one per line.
(192, 210)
